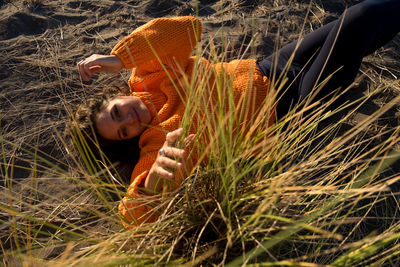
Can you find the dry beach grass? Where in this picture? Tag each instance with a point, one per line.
(329, 196)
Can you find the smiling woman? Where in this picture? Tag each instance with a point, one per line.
(122, 118)
(159, 54)
(126, 152)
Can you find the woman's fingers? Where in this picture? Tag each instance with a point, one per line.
(169, 157)
(173, 152)
(173, 136)
(84, 68)
(82, 71)
(95, 69)
(88, 75)
(168, 163)
(164, 173)
(166, 167)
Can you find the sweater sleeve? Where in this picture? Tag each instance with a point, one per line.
(136, 207)
(169, 40)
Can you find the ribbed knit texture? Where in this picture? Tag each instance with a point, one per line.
(171, 41)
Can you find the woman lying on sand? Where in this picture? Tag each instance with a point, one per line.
(159, 55)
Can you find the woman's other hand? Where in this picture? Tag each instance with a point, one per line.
(169, 160)
(99, 63)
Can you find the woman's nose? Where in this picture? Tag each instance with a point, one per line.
(128, 119)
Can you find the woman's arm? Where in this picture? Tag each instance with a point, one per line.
(169, 40)
(136, 207)
(163, 41)
(99, 63)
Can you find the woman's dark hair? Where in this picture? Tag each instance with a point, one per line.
(81, 131)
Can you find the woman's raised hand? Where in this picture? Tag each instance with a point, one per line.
(169, 160)
(99, 63)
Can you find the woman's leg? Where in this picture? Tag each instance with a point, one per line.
(276, 64)
(361, 30)
(344, 42)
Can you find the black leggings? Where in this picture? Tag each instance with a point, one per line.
(338, 47)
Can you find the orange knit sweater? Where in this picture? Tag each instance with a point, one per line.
(159, 54)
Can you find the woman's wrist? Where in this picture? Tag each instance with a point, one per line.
(116, 62)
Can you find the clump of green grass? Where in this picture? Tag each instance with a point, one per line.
(298, 193)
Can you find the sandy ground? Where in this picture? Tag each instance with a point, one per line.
(41, 41)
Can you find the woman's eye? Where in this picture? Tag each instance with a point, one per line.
(116, 111)
(124, 132)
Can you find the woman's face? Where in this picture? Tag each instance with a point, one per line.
(123, 117)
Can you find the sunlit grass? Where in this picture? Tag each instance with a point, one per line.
(293, 194)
